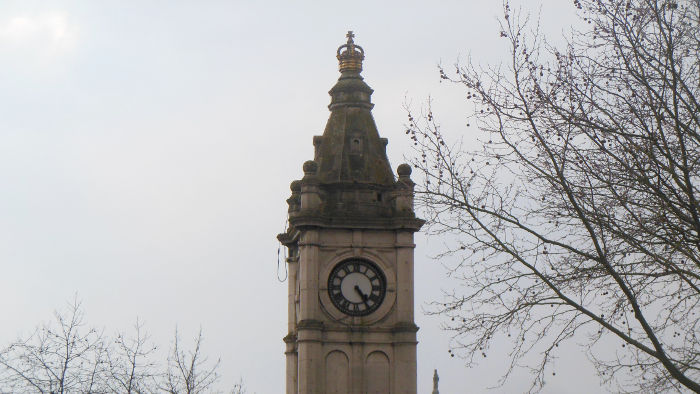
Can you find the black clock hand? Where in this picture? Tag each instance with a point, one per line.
(362, 295)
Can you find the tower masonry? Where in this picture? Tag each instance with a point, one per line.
(350, 244)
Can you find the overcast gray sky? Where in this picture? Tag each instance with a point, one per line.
(146, 149)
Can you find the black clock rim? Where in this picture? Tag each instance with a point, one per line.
(382, 280)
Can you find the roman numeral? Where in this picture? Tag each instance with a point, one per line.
(335, 287)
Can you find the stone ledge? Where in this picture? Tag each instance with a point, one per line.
(370, 223)
(310, 325)
(405, 327)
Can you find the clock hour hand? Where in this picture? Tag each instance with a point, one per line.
(362, 295)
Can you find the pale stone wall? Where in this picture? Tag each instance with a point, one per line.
(336, 352)
(349, 205)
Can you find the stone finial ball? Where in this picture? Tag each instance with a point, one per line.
(295, 186)
(404, 170)
(310, 167)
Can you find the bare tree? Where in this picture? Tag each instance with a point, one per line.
(238, 388)
(188, 372)
(64, 356)
(130, 364)
(68, 358)
(578, 215)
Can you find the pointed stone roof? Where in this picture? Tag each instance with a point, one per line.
(436, 379)
(349, 184)
(350, 149)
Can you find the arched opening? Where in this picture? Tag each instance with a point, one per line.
(377, 373)
(337, 373)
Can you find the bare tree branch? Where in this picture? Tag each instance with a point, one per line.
(578, 217)
(64, 356)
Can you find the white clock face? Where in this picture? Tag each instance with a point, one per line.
(356, 287)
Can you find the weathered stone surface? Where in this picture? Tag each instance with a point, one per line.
(349, 205)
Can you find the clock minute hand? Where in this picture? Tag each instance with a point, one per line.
(362, 295)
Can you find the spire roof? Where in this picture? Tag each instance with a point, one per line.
(350, 149)
(436, 379)
(349, 183)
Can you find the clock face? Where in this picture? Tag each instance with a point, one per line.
(357, 287)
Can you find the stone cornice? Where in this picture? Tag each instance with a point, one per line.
(397, 328)
(369, 223)
(405, 327)
(288, 238)
(310, 325)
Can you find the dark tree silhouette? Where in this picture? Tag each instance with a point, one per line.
(578, 216)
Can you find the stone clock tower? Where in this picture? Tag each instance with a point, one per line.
(350, 247)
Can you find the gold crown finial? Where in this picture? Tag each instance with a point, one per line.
(350, 55)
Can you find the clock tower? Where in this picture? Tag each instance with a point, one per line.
(350, 244)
